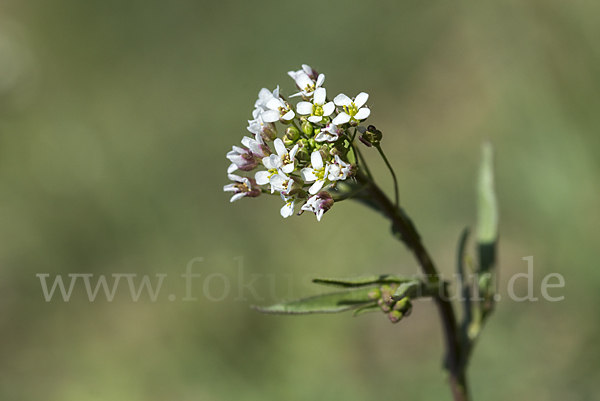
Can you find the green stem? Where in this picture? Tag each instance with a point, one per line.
(409, 235)
(389, 166)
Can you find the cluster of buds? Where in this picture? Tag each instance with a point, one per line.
(396, 309)
(311, 155)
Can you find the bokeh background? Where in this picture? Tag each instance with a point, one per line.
(115, 118)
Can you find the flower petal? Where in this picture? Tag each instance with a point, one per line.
(341, 118)
(304, 108)
(328, 108)
(320, 79)
(320, 96)
(342, 100)
(316, 187)
(275, 103)
(315, 119)
(232, 168)
(288, 116)
(308, 174)
(237, 196)
(361, 99)
(363, 113)
(316, 160)
(262, 177)
(270, 116)
(280, 147)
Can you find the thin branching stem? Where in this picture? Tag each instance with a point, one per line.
(410, 237)
(389, 166)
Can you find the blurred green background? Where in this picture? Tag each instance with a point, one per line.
(115, 118)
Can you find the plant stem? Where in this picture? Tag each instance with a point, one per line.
(409, 235)
(389, 166)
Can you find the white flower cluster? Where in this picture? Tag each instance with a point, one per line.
(310, 157)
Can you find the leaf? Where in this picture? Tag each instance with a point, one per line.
(462, 274)
(361, 281)
(325, 303)
(373, 307)
(487, 205)
(414, 289)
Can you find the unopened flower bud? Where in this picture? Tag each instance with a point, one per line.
(307, 128)
(395, 316)
(268, 132)
(291, 136)
(374, 294)
(384, 307)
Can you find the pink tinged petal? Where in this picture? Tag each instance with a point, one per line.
(320, 96)
(288, 116)
(316, 160)
(320, 79)
(280, 147)
(321, 137)
(342, 100)
(361, 99)
(232, 168)
(316, 187)
(262, 177)
(270, 116)
(363, 113)
(341, 118)
(304, 108)
(237, 196)
(315, 119)
(328, 108)
(308, 174)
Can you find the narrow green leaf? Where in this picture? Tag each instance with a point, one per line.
(360, 281)
(373, 307)
(487, 211)
(463, 276)
(326, 303)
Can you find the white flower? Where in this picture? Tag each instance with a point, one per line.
(330, 133)
(277, 109)
(306, 69)
(338, 170)
(257, 146)
(307, 85)
(242, 158)
(243, 186)
(258, 126)
(263, 98)
(318, 108)
(353, 110)
(288, 209)
(317, 173)
(288, 161)
(318, 204)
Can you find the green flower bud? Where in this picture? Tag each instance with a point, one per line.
(374, 294)
(384, 306)
(303, 154)
(291, 136)
(395, 316)
(307, 128)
